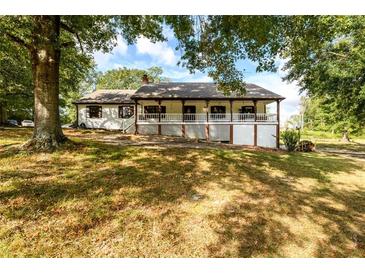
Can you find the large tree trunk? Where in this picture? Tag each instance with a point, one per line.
(3, 116)
(46, 56)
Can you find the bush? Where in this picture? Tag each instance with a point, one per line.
(290, 139)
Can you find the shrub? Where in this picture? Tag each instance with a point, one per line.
(290, 139)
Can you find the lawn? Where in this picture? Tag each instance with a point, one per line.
(327, 140)
(94, 199)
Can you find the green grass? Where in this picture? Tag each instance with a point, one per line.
(327, 140)
(98, 200)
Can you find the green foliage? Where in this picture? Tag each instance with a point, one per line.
(125, 78)
(326, 57)
(290, 139)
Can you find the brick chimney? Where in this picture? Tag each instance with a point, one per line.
(145, 79)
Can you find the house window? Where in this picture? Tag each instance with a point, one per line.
(189, 109)
(154, 109)
(94, 111)
(247, 109)
(217, 112)
(125, 111)
(217, 109)
(189, 113)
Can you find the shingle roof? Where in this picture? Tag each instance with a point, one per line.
(107, 96)
(199, 90)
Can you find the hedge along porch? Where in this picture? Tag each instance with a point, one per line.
(199, 111)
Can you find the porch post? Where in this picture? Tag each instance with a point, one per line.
(183, 118)
(135, 118)
(255, 125)
(278, 124)
(255, 109)
(231, 125)
(77, 115)
(207, 122)
(159, 117)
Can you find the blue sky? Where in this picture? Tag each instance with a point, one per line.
(145, 54)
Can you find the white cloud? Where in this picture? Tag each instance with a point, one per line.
(160, 52)
(168, 33)
(121, 48)
(106, 60)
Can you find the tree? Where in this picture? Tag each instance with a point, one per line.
(46, 37)
(327, 58)
(16, 81)
(215, 44)
(125, 78)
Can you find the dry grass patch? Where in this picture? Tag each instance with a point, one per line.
(98, 200)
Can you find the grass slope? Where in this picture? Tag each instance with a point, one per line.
(98, 200)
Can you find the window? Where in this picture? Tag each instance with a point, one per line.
(125, 111)
(94, 111)
(217, 109)
(247, 109)
(189, 113)
(154, 109)
(189, 109)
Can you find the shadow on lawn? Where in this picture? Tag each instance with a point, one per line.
(252, 218)
(158, 178)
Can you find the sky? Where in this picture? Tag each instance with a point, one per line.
(145, 54)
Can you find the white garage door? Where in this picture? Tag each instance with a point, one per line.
(243, 135)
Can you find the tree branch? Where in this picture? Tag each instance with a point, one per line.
(18, 40)
(72, 31)
(337, 54)
(68, 44)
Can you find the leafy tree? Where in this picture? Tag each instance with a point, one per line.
(16, 84)
(46, 37)
(327, 58)
(125, 78)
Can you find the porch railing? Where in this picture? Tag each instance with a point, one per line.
(202, 117)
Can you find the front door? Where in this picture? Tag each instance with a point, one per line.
(189, 113)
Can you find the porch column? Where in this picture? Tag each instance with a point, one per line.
(135, 118)
(183, 118)
(207, 122)
(278, 125)
(77, 115)
(255, 109)
(255, 125)
(231, 125)
(159, 117)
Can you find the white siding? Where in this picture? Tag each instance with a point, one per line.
(147, 129)
(266, 136)
(219, 132)
(172, 130)
(243, 135)
(195, 131)
(109, 118)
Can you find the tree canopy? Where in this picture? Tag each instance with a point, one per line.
(328, 61)
(125, 78)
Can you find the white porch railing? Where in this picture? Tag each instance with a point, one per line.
(127, 123)
(202, 117)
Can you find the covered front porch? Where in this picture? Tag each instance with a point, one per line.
(205, 111)
(245, 122)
